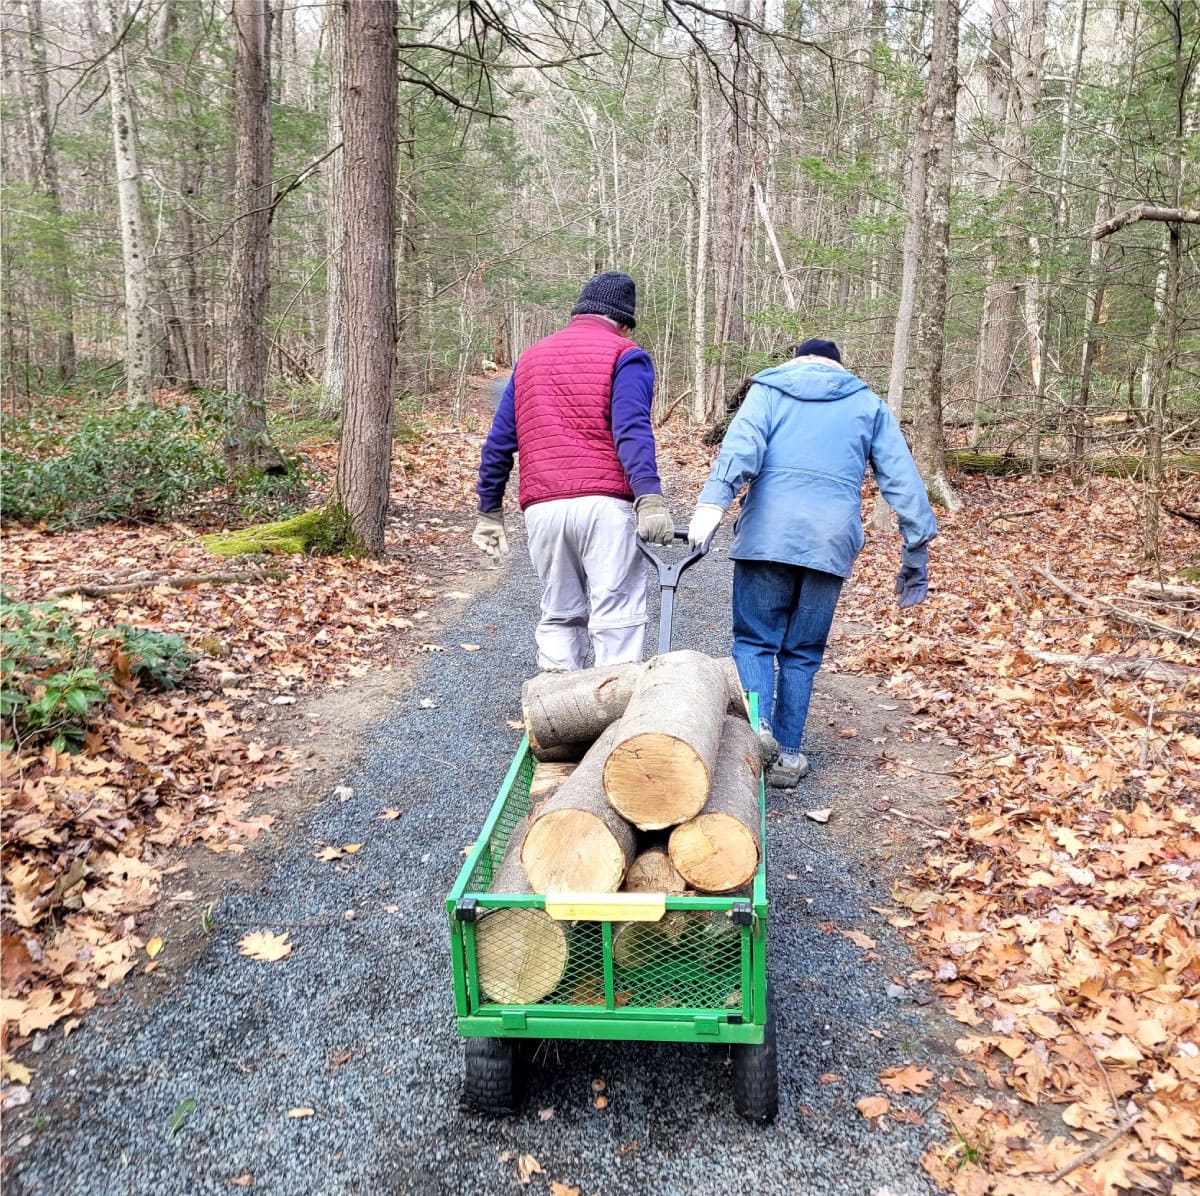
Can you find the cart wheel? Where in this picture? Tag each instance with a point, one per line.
(491, 1078)
(756, 1076)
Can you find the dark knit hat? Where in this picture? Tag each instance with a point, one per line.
(819, 348)
(612, 294)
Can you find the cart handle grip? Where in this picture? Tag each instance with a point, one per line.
(668, 579)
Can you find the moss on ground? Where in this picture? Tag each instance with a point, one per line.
(327, 531)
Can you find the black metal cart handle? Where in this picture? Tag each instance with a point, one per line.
(668, 579)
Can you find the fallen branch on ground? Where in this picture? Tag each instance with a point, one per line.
(1123, 616)
(181, 581)
(1163, 592)
(1143, 668)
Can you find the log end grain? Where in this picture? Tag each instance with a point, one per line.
(572, 851)
(654, 780)
(521, 955)
(714, 853)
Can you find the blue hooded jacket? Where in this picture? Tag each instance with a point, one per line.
(803, 439)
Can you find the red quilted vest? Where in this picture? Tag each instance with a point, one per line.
(563, 400)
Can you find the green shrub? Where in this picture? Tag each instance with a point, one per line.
(138, 464)
(53, 681)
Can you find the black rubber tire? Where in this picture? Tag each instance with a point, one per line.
(756, 1076)
(492, 1075)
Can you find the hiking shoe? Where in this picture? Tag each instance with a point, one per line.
(768, 747)
(784, 776)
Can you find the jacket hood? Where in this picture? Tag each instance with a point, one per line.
(811, 381)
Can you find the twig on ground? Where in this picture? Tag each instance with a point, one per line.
(1097, 1149)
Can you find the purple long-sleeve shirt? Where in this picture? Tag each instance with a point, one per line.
(633, 433)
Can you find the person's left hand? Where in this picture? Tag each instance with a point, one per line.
(654, 521)
(912, 584)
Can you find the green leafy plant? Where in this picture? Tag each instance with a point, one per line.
(158, 658)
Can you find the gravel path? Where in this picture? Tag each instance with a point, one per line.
(249, 1041)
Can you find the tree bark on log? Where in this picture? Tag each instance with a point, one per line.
(1165, 593)
(574, 708)
(565, 712)
(635, 944)
(717, 851)
(547, 777)
(579, 843)
(520, 954)
(1004, 465)
(659, 770)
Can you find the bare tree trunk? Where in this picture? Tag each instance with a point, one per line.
(111, 19)
(929, 447)
(247, 444)
(918, 168)
(369, 125)
(335, 298)
(1168, 316)
(700, 390)
(45, 164)
(998, 71)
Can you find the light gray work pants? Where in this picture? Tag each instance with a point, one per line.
(593, 581)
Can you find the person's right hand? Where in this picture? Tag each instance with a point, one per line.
(489, 534)
(705, 521)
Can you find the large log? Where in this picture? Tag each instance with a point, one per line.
(579, 843)
(717, 851)
(573, 708)
(547, 777)
(521, 954)
(659, 771)
(635, 944)
(565, 712)
(1006, 464)
(1140, 668)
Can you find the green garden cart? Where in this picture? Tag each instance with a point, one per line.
(699, 976)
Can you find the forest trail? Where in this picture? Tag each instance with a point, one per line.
(200, 1083)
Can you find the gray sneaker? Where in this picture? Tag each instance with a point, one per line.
(782, 777)
(768, 747)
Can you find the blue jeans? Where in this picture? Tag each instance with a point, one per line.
(782, 613)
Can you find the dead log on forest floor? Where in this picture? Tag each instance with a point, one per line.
(1008, 465)
(180, 581)
(1142, 668)
(1164, 592)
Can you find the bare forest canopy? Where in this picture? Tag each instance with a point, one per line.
(989, 205)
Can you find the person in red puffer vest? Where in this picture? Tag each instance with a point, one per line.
(577, 412)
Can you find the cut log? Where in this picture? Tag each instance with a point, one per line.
(717, 851)
(659, 771)
(565, 712)
(545, 782)
(573, 708)
(1168, 595)
(579, 843)
(521, 954)
(635, 944)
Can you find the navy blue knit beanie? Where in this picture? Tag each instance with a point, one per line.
(612, 294)
(819, 348)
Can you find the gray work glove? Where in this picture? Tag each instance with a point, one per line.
(655, 524)
(489, 534)
(912, 582)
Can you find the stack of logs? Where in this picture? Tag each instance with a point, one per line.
(647, 781)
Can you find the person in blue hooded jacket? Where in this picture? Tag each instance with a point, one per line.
(802, 441)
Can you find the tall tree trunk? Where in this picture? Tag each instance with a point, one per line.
(247, 445)
(918, 168)
(45, 163)
(369, 126)
(700, 390)
(929, 447)
(335, 299)
(111, 19)
(1164, 343)
(998, 71)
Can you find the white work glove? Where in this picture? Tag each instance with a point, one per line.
(489, 534)
(705, 521)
